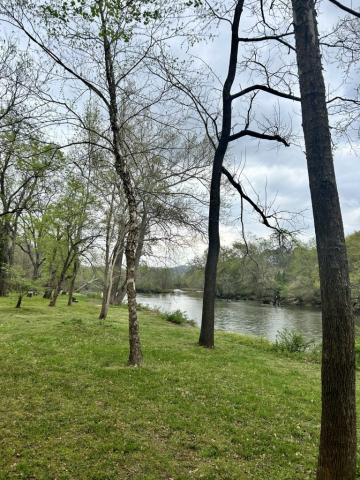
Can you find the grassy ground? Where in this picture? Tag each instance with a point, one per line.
(70, 408)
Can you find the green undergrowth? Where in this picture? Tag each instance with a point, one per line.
(72, 409)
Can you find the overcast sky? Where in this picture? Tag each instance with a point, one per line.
(283, 170)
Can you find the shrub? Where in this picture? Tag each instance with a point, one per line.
(292, 342)
(179, 318)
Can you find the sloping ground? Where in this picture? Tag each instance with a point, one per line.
(72, 409)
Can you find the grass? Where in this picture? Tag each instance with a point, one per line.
(72, 409)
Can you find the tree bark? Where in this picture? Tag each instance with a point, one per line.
(18, 304)
(72, 281)
(206, 338)
(55, 296)
(135, 355)
(116, 278)
(139, 248)
(337, 451)
(5, 259)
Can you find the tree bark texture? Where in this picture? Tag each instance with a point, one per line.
(206, 338)
(135, 355)
(337, 452)
(139, 248)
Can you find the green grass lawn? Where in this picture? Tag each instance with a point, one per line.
(72, 409)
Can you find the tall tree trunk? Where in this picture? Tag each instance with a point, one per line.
(337, 452)
(135, 355)
(206, 338)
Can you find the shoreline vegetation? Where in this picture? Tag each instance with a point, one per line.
(280, 302)
(260, 270)
(72, 409)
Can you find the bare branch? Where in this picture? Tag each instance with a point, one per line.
(262, 136)
(265, 89)
(346, 9)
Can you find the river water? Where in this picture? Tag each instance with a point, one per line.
(246, 317)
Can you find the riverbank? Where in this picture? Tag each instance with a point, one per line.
(72, 409)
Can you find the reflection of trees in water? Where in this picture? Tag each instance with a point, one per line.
(244, 317)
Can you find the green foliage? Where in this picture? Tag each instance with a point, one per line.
(121, 15)
(179, 317)
(96, 295)
(20, 281)
(155, 280)
(291, 342)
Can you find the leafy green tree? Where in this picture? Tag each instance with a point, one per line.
(20, 283)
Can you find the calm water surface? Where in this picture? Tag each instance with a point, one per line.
(246, 317)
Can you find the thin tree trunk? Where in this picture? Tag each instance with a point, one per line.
(116, 278)
(135, 355)
(72, 281)
(4, 260)
(18, 304)
(142, 232)
(206, 338)
(337, 452)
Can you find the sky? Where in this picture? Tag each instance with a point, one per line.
(283, 170)
(271, 172)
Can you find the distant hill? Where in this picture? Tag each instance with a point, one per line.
(180, 269)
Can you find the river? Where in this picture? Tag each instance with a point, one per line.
(246, 317)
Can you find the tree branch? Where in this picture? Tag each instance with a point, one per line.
(265, 89)
(346, 9)
(270, 37)
(261, 136)
(243, 196)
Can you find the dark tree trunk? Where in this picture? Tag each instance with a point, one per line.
(48, 292)
(207, 322)
(4, 259)
(18, 305)
(337, 453)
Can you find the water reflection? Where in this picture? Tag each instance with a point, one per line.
(246, 317)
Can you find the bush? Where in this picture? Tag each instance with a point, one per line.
(179, 318)
(292, 342)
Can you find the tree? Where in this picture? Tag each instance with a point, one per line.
(337, 451)
(20, 283)
(75, 230)
(109, 27)
(24, 165)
